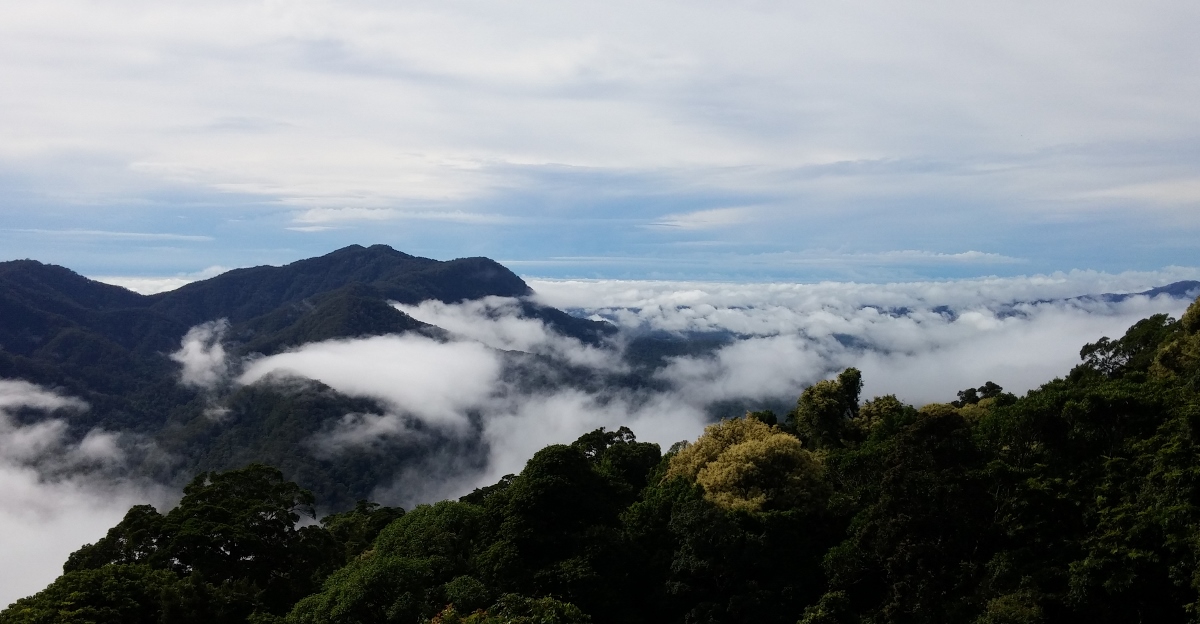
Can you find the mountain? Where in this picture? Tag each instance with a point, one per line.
(243, 294)
(268, 306)
(1187, 289)
(110, 347)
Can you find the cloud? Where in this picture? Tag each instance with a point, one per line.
(435, 382)
(363, 431)
(754, 368)
(311, 228)
(521, 428)
(922, 341)
(705, 219)
(203, 356)
(45, 521)
(108, 234)
(56, 493)
(499, 323)
(922, 256)
(342, 215)
(1182, 192)
(155, 285)
(790, 298)
(15, 393)
(869, 123)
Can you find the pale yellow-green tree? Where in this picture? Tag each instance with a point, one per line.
(1181, 356)
(747, 465)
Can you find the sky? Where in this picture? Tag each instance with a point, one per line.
(753, 141)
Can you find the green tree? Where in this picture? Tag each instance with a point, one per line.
(514, 609)
(825, 410)
(112, 594)
(233, 536)
(415, 568)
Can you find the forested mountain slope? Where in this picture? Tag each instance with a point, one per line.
(1079, 501)
(112, 349)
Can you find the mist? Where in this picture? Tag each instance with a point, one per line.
(56, 493)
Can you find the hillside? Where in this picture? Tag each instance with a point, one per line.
(111, 348)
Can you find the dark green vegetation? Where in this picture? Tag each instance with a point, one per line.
(1077, 502)
(110, 347)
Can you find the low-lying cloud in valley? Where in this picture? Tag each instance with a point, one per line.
(503, 384)
(761, 345)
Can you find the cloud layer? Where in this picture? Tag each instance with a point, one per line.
(766, 343)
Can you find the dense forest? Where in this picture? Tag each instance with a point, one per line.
(1078, 501)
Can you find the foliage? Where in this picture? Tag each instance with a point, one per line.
(514, 609)
(230, 550)
(825, 412)
(113, 594)
(748, 465)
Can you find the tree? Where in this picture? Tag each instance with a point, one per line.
(825, 409)
(358, 527)
(514, 609)
(112, 594)
(747, 465)
(419, 563)
(233, 536)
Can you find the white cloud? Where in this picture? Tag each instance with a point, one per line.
(922, 256)
(55, 494)
(1019, 353)
(499, 323)
(517, 426)
(518, 430)
(705, 219)
(435, 101)
(790, 335)
(341, 215)
(45, 521)
(154, 285)
(436, 382)
(754, 368)
(112, 235)
(789, 297)
(16, 393)
(1181, 192)
(203, 356)
(359, 431)
(783, 337)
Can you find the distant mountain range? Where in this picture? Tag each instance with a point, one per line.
(1188, 289)
(111, 347)
(269, 307)
(62, 329)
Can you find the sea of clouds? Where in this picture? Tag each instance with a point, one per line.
(921, 341)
